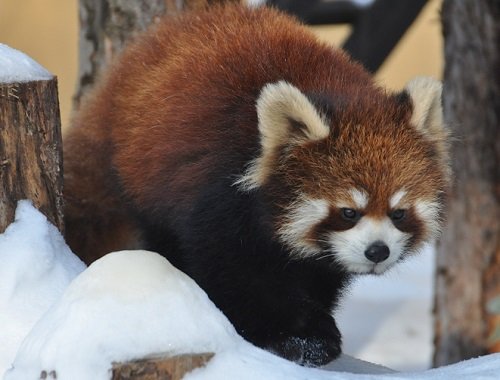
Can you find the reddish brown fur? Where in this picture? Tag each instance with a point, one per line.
(165, 140)
(185, 74)
(172, 67)
(386, 157)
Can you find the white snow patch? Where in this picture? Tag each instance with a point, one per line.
(388, 319)
(127, 305)
(134, 304)
(15, 66)
(248, 363)
(36, 266)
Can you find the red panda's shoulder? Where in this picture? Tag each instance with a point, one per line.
(176, 91)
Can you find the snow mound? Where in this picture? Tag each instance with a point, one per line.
(249, 363)
(16, 66)
(125, 306)
(36, 267)
(135, 304)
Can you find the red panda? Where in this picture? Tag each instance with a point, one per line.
(265, 164)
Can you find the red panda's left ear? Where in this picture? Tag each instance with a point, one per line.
(427, 117)
(286, 117)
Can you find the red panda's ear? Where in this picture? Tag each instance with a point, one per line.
(425, 94)
(427, 117)
(286, 116)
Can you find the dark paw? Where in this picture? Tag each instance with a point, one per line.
(315, 346)
(309, 352)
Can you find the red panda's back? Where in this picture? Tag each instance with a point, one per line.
(188, 89)
(180, 101)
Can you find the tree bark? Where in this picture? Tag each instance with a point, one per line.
(467, 304)
(173, 368)
(30, 149)
(106, 25)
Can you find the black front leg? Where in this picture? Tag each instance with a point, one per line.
(302, 333)
(286, 311)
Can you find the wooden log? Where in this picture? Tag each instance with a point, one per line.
(173, 368)
(30, 149)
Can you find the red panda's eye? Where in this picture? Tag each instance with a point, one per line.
(350, 214)
(398, 215)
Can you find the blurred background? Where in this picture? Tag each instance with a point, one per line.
(48, 32)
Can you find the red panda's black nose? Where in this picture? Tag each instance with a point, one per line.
(377, 252)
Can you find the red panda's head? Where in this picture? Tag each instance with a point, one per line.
(356, 180)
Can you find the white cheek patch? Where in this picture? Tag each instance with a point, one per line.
(350, 245)
(429, 212)
(301, 219)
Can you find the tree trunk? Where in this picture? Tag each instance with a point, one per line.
(467, 304)
(30, 149)
(105, 26)
(173, 368)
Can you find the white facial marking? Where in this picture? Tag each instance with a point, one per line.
(350, 245)
(429, 212)
(396, 198)
(359, 197)
(303, 216)
(358, 200)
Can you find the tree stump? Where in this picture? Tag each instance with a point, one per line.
(30, 149)
(173, 368)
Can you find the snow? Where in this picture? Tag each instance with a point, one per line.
(248, 363)
(36, 267)
(388, 319)
(134, 304)
(16, 66)
(125, 306)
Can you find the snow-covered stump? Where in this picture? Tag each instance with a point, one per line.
(173, 368)
(30, 138)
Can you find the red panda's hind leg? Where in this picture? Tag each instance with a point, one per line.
(96, 218)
